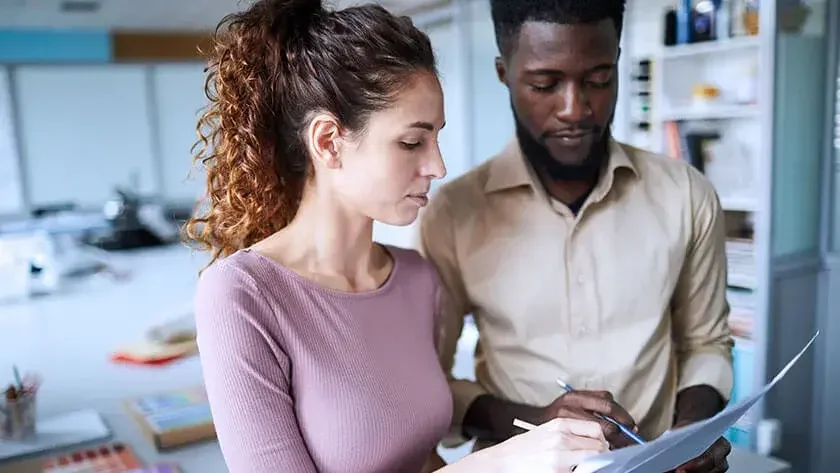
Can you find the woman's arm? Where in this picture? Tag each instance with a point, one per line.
(246, 374)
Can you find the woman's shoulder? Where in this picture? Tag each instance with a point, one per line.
(413, 265)
(231, 274)
(236, 287)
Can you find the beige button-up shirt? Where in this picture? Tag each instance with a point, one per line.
(629, 296)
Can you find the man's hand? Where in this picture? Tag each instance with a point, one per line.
(712, 460)
(434, 463)
(695, 404)
(584, 405)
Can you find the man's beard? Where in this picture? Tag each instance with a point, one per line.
(541, 160)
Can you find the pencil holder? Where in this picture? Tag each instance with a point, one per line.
(17, 418)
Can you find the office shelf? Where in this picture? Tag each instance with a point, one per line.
(735, 159)
(710, 112)
(750, 44)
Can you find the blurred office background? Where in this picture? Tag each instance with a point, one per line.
(98, 106)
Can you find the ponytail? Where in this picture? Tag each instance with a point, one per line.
(270, 67)
(251, 191)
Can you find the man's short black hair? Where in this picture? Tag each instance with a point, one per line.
(510, 15)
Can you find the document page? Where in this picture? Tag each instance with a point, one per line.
(679, 446)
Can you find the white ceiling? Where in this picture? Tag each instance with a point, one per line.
(147, 14)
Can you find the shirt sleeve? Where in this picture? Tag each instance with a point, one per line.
(699, 307)
(247, 376)
(437, 244)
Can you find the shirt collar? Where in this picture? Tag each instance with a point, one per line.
(509, 169)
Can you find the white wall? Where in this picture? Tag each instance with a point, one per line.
(83, 130)
(11, 191)
(178, 98)
(491, 118)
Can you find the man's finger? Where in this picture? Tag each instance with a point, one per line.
(605, 405)
(722, 467)
(725, 448)
(571, 413)
(601, 394)
(704, 463)
(610, 430)
(619, 440)
(712, 460)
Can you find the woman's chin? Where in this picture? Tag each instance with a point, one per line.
(402, 218)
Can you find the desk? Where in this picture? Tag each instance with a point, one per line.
(67, 338)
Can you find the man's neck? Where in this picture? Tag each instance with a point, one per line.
(567, 191)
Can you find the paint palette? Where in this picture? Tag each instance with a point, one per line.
(109, 458)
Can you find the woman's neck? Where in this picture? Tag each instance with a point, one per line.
(330, 244)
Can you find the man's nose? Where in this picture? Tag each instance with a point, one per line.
(572, 104)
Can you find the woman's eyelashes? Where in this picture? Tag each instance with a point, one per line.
(411, 145)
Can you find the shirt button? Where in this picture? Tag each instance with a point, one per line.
(582, 331)
(580, 279)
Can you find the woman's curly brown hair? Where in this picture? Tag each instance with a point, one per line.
(271, 67)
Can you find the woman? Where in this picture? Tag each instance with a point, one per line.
(317, 344)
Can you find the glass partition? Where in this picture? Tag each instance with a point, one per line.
(834, 244)
(799, 124)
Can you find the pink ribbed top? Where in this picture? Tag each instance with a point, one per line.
(305, 379)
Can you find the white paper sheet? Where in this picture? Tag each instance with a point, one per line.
(679, 446)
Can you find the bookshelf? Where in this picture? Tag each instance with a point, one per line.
(760, 107)
(706, 106)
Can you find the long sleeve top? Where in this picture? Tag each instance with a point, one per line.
(303, 379)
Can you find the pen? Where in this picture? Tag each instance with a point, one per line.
(624, 429)
(18, 381)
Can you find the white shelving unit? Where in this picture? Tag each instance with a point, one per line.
(771, 167)
(734, 162)
(724, 46)
(710, 112)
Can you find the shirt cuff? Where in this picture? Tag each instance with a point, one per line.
(710, 369)
(463, 394)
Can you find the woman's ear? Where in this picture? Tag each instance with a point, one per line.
(324, 137)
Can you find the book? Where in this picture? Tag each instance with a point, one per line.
(175, 418)
(115, 457)
(158, 468)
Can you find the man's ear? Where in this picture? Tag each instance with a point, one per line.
(324, 137)
(501, 70)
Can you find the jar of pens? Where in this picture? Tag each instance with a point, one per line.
(17, 409)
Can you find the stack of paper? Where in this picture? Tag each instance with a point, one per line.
(679, 446)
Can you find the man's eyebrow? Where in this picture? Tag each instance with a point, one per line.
(547, 71)
(603, 67)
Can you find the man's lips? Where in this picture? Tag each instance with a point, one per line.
(572, 138)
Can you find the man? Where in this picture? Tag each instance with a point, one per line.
(580, 258)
